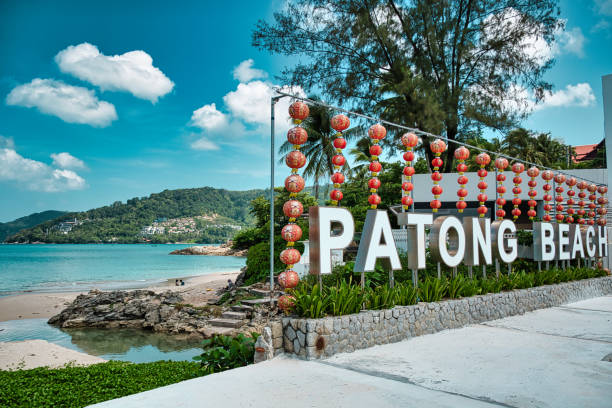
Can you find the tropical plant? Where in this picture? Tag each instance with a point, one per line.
(405, 294)
(432, 289)
(344, 299)
(381, 297)
(455, 287)
(225, 352)
(310, 301)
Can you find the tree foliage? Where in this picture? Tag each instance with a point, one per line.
(446, 67)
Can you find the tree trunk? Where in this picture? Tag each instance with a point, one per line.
(451, 134)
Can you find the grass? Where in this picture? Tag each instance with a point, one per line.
(74, 386)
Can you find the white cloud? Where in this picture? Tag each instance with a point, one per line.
(245, 72)
(573, 95)
(73, 104)
(36, 176)
(208, 117)
(570, 41)
(65, 160)
(204, 144)
(131, 72)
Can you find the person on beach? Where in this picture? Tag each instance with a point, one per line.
(182, 282)
(176, 282)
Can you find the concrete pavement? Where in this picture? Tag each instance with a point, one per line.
(547, 358)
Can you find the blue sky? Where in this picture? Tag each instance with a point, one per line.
(104, 101)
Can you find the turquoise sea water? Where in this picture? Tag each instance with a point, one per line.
(137, 346)
(66, 267)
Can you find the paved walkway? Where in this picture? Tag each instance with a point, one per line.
(547, 358)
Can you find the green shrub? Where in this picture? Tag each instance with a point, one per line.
(310, 301)
(455, 287)
(406, 294)
(74, 386)
(432, 289)
(381, 297)
(225, 352)
(344, 299)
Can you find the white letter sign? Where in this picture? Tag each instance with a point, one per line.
(321, 239)
(376, 226)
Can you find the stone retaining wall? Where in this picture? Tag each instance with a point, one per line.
(320, 338)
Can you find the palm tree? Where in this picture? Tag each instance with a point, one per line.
(319, 148)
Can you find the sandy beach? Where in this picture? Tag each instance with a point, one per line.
(197, 291)
(23, 355)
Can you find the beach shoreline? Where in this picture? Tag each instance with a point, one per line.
(197, 290)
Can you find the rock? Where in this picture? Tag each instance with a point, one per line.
(264, 348)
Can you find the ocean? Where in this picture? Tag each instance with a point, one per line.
(67, 267)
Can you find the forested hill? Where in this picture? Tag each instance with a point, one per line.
(186, 215)
(10, 228)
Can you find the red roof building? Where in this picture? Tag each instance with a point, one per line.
(586, 152)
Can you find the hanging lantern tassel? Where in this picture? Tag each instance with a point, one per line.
(517, 169)
(559, 179)
(437, 147)
(501, 163)
(571, 182)
(603, 202)
(462, 154)
(582, 185)
(410, 141)
(339, 123)
(376, 132)
(292, 209)
(533, 172)
(547, 175)
(592, 206)
(482, 160)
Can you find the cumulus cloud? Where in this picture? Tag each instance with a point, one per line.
(65, 160)
(131, 72)
(37, 176)
(604, 7)
(203, 143)
(570, 42)
(208, 117)
(73, 104)
(573, 95)
(245, 72)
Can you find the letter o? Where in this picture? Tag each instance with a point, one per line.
(447, 227)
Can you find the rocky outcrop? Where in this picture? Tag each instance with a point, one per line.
(160, 312)
(222, 250)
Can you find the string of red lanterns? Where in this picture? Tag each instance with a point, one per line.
(483, 160)
(547, 175)
(571, 182)
(592, 206)
(517, 169)
(462, 154)
(293, 208)
(559, 179)
(603, 202)
(501, 163)
(410, 141)
(339, 123)
(533, 172)
(582, 185)
(437, 147)
(377, 133)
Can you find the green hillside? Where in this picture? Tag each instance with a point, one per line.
(204, 215)
(10, 228)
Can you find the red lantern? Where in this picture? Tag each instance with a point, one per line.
(407, 186)
(571, 182)
(517, 168)
(409, 140)
(338, 161)
(374, 200)
(501, 163)
(559, 179)
(533, 172)
(336, 195)
(340, 122)
(375, 150)
(437, 147)
(603, 202)
(290, 256)
(375, 167)
(377, 132)
(337, 178)
(293, 209)
(298, 111)
(295, 159)
(592, 188)
(482, 160)
(288, 279)
(373, 184)
(294, 183)
(339, 143)
(462, 154)
(291, 233)
(286, 303)
(297, 136)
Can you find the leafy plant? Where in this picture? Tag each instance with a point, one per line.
(432, 289)
(310, 302)
(345, 299)
(405, 294)
(382, 297)
(225, 352)
(455, 287)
